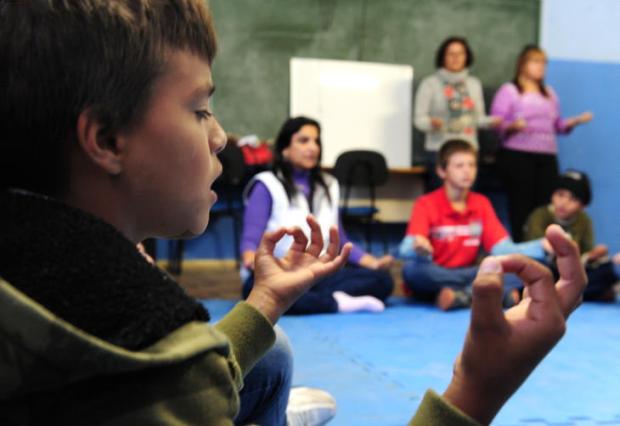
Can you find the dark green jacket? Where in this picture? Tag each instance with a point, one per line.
(579, 228)
(54, 373)
(91, 333)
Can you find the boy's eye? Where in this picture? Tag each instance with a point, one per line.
(204, 114)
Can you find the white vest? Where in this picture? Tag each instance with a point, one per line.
(286, 214)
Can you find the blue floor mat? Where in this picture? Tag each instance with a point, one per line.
(378, 366)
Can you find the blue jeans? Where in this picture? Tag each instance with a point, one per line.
(601, 278)
(425, 279)
(266, 387)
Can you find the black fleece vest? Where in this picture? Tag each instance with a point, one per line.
(87, 273)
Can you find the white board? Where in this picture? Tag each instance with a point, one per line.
(360, 105)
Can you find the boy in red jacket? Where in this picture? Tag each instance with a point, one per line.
(447, 230)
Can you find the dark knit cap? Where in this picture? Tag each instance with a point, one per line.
(578, 183)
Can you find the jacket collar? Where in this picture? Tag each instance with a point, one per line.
(87, 273)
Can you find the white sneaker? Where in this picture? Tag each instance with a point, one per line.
(309, 407)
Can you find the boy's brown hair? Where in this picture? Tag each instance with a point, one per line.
(62, 57)
(451, 147)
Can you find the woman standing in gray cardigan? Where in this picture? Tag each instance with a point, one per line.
(449, 103)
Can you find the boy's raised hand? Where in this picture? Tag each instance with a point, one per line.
(502, 348)
(278, 283)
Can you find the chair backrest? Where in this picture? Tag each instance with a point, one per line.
(361, 167)
(233, 165)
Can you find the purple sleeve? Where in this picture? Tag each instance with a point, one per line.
(560, 123)
(356, 252)
(503, 105)
(255, 217)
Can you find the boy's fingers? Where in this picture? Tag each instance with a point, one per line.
(270, 239)
(536, 277)
(573, 278)
(334, 244)
(316, 237)
(486, 308)
(332, 265)
(300, 241)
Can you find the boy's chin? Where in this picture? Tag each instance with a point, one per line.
(464, 186)
(193, 232)
(563, 217)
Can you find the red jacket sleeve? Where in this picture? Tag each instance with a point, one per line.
(419, 222)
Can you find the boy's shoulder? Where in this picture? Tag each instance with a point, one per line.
(583, 216)
(542, 211)
(476, 199)
(433, 198)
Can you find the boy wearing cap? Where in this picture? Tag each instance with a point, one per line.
(568, 201)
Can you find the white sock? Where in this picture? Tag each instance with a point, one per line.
(347, 303)
(309, 407)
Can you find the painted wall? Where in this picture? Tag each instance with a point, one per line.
(581, 38)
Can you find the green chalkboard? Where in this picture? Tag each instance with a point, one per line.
(258, 37)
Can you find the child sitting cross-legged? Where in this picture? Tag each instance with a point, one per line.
(567, 208)
(447, 230)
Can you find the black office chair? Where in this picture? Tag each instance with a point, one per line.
(230, 203)
(367, 169)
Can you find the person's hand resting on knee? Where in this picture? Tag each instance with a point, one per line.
(278, 283)
(502, 348)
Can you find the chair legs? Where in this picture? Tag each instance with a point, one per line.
(367, 223)
(383, 236)
(236, 232)
(177, 247)
(175, 256)
(368, 234)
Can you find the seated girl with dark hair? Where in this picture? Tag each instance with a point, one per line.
(285, 196)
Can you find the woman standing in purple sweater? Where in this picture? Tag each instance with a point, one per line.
(284, 197)
(531, 117)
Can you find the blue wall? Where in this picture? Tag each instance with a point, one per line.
(595, 147)
(581, 39)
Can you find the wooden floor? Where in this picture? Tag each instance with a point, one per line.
(219, 279)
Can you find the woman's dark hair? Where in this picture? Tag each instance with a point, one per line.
(284, 169)
(440, 56)
(524, 56)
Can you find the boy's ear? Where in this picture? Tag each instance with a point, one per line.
(97, 144)
(440, 172)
